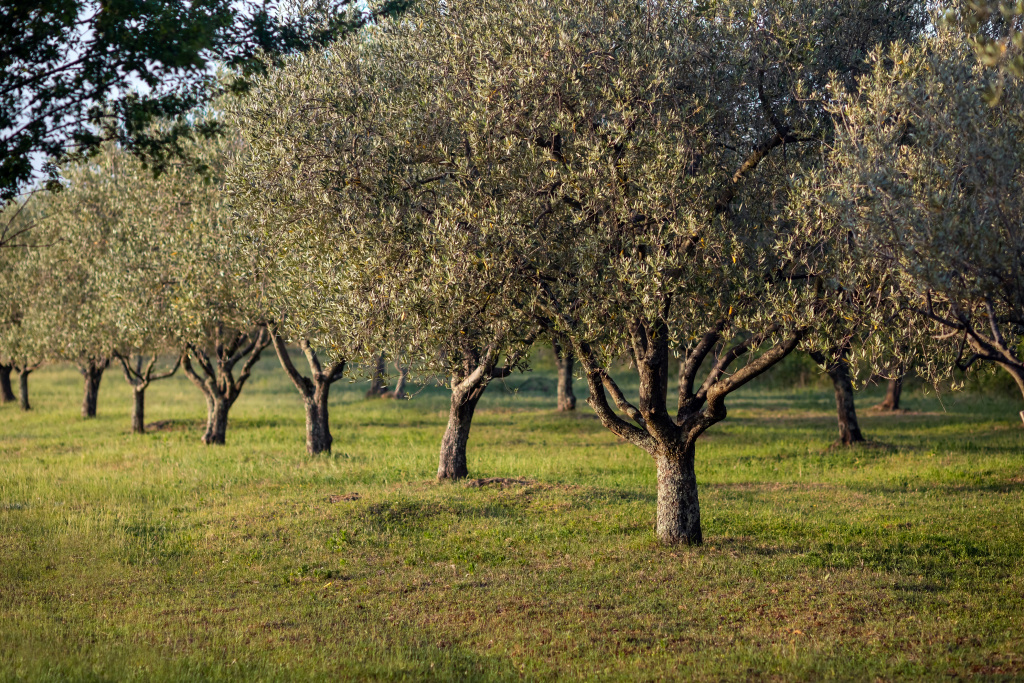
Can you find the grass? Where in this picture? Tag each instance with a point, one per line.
(155, 558)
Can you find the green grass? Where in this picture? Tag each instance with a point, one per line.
(155, 558)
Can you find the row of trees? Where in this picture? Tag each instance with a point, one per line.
(725, 183)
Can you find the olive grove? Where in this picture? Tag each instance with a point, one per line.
(617, 173)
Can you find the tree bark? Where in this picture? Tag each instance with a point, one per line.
(565, 362)
(678, 517)
(378, 386)
(216, 420)
(92, 372)
(452, 461)
(23, 389)
(6, 391)
(315, 391)
(403, 376)
(846, 412)
(318, 427)
(139, 410)
(893, 392)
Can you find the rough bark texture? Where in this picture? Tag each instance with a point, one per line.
(892, 395)
(92, 373)
(216, 420)
(378, 387)
(139, 410)
(839, 372)
(23, 389)
(678, 518)
(452, 461)
(6, 391)
(318, 428)
(314, 390)
(565, 361)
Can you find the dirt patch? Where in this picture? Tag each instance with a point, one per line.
(502, 482)
(338, 497)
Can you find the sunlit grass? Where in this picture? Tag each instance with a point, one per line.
(125, 557)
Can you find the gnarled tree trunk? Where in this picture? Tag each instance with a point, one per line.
(6, 390)
(218, 383)
(893, 392)
(23, 388)
(92, 373)
(839, 372)
(468, 385)
(671, 440)
(565, 361)
(315, 391)
(318, 427)
(452, 461)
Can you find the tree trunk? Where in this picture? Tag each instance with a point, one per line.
(399, 392)
(216, 421)
(139, 410)
(6, 391)
(1017, 372)
(452, 462)
(849, 429)
(892, 395)
(839, 372)
(377, 384)
(23, 389)
(678, 519)
(565, 362)
(318, 428)
(93, 373)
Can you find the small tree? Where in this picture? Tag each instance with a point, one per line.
(211, 304)
(925, 179)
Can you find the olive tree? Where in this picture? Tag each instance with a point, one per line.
(623, 170)
(132, 255)
(210, 305)
(343, 176)
(925, 179)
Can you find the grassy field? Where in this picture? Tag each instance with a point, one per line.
(151, 557)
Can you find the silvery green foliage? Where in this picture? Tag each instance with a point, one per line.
(926, 177)
(455, 173)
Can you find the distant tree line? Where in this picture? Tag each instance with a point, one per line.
(706, 188)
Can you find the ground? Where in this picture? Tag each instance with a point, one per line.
(126, 557)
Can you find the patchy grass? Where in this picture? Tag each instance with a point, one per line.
(127, 558)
